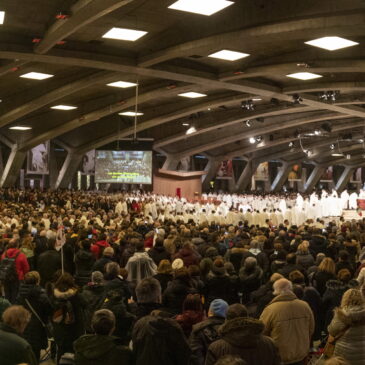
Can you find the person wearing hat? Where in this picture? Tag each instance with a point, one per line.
(206, 332)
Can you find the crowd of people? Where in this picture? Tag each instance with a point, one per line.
(91, 278)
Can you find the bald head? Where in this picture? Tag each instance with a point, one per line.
(282, 286)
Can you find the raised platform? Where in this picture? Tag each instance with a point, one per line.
(350, 215)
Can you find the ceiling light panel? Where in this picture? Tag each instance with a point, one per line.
(192, 95)
(304, 76)
(228, 55)
(331, 43)
(64, 107)
(203, 7)
(36, 76)
(122, 84)
(131, 114)
(2, 17)
(124, 34)
(20, 128)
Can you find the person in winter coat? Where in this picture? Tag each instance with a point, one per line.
(158, 252)
(326, 271)
(159, 341)
(94, 295)
(98, 248)
(101, 347)
(289, 322)
(177, 290)
(84, 261)
(193, 313)
(105, 259)
(188, 255)
(206, 332)
(349, 324)
(344, 262)
(68, 313)
(250, 277)
(333, 294)
(11, 284)
(318, 243)
(243, 337)
(115, 280)
(261, 257)
(14, 349)
(218, 285)
(48, 263)
(304, 258)
(164, 274)
(34, 298)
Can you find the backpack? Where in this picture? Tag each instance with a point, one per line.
(64, 313)
(8, 273)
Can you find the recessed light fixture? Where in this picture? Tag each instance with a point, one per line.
(227, 55)
(203, 7)
(191, 130)
(192, 95)
(20, 128)
(252, 140)
(256, 99)
(131, 114)
(186, 124)
(122, 84)
(337, 154)
(331, 43)
(124, 34)
(2, 17)
(304, 76)
(36, 76)
(64, 107)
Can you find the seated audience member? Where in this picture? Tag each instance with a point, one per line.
(13, 348)
(102, 347)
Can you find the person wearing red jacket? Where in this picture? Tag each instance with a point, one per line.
(21, 266)
(98, 248)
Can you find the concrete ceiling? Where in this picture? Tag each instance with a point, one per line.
(172, 58)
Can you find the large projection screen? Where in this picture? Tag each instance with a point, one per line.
(128, 167)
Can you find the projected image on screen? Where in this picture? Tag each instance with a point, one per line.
(128, 167)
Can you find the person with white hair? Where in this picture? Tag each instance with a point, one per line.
(290, 323)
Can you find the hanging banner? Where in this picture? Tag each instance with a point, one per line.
(38, 159)
(225, 170)
(356, 176)
(262, 172)
(88, 163)
(296, 173)
(327, 175)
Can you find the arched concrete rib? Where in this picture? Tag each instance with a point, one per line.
(22, 110)
(98, 114)
(83, 12)
(291, 29)
(269, 128)
(229, 121)
(324, 86)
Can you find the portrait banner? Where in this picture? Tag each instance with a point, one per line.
(225, 170)
(88, 163)
(38, 159)
(262, 172)
(327, 175)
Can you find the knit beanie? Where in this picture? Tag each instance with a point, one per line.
(219, 308)
(177, 264)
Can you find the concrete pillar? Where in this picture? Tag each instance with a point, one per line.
(53, 171)
(281, 177)
(171, 163)
(211, 170)
(345, 178)
(68, 170)
(12, 168)
(244, 180)
(314, 178)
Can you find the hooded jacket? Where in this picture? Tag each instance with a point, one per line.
(21, 262)
(159, 341)
(243, 337)
(97, 349)
(290, 323)
(350, 346)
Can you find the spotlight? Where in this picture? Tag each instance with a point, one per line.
(317, 132)
(291, 144)
(297, 99)
(248, 123)
(332, 146)
(348, 157)
(248, 105)
(191, 130)
(258, 139)
(329, 96)
(252, 140)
